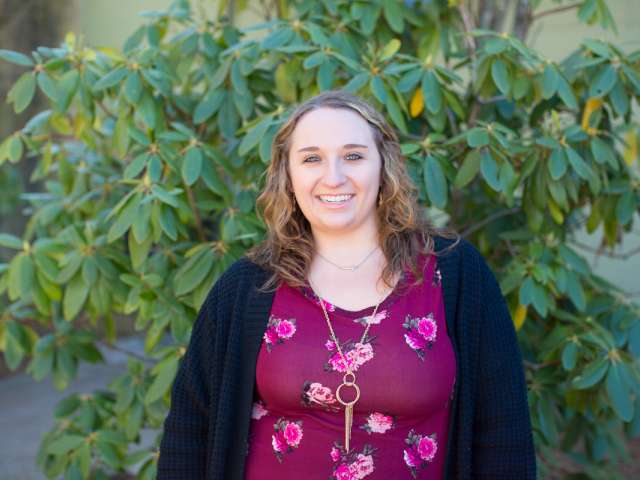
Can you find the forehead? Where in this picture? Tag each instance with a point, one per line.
(331, 128)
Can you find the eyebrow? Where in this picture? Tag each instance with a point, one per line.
(347, 146)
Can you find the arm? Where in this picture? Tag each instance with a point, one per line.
(183, 450)
(502, 439)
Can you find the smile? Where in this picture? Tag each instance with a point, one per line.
(335, 198)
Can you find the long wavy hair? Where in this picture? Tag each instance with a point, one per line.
(404, 233)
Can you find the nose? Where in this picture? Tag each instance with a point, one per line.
(334, 173)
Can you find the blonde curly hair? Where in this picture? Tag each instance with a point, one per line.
(288, 248)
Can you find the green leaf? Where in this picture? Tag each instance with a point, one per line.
(557, 164)
(477, 137)
(22, 92)
(578, 164)
(277, 38)
(16, 57)
(147, 110)
(133, 87)
(65, 444)
(393, 14)
(626, 207)
(489, 170)
(314, 60)
(569, 355)
(193, 272)
(16, 148)
(601, 151)
(75, 295)
(26, 274)
(168, 223)
(604, 82)
(136, 166)
(435, 182)
(431, 92)
(396, 114)
(550, 81)
(48, 86)
(575, 291)
(591, 374)
(208, 106)
(565, 92)
(390, 49)
(192, 165)
(501, 76)
(164, 196)
(125, 219)
(10, 241)
(254, 135)
(163, 380)
(377, 87)
(110, 79)
(409, 80)
(619, 394)
(469, 169)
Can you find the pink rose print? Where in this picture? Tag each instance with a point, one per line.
(421, 333)
(258, 411)
(330, 345)
(353, 465)
(286, 438)
(285, 329)
(356, 354)
(378, 423)
(371, 319)
(293, 434)
(335, 454)
(427, 328)
(278, 330)
(343, 473)
(422, 450)
(414, 341)
(317, 394)
(427, 448)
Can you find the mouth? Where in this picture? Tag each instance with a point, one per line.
(335, 199)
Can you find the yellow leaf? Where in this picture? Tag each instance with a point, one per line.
(520, 315)
(70, 40)
(631, 149)
(593, 104)
(556, 213)
(417, 103)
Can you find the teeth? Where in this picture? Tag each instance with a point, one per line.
(335, 198)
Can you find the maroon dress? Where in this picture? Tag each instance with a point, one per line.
(405, 369)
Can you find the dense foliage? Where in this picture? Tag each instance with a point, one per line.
(151, 159)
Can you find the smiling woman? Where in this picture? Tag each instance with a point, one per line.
(356, 341)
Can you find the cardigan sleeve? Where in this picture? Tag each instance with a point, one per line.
(502, 438)
(183, 449)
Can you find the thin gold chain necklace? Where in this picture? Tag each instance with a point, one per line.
(348, 406)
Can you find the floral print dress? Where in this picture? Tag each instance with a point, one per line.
(405, 370)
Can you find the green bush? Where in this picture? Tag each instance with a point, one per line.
(151, 160)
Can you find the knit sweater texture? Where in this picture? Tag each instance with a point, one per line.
(205, 433)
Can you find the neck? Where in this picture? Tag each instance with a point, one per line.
(346, 248)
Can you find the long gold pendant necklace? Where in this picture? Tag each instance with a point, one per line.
(348, 406)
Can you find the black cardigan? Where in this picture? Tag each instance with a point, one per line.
(205, 433)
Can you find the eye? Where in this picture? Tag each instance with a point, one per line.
(354, 156)
(310, 159)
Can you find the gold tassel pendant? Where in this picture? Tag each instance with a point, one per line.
(348, 406)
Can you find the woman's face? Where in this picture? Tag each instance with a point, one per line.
(334, 166)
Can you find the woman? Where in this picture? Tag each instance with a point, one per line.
(355, 341)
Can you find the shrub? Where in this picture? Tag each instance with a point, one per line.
(151, 159)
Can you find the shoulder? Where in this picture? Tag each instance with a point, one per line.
(456, 249)
(238, 279)
(461, 260)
